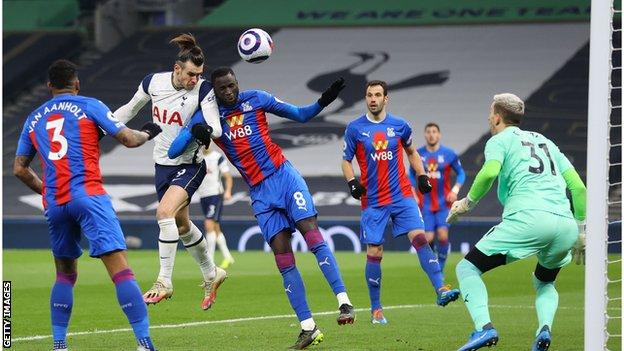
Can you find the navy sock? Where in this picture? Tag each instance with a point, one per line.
(373, 280)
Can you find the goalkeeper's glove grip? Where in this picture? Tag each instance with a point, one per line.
(424, 186)
(152, 129)
(356, 189)
(202, 132)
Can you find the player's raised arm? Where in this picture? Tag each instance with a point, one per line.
(210, 109)
(108, 122)
(128, 111)
(304, 113)
(195, 129)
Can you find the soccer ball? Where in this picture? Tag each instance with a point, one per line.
(255, 45)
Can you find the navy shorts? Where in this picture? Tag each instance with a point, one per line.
(95, 217)
(187, 176)
(435, 220)
(405, 217)
(212, 205)
(281, 200)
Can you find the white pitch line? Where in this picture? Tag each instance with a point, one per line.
(250, 319)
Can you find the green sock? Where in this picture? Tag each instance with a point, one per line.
(474, 293)
(546, 302)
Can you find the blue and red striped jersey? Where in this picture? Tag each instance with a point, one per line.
(438, 165)
(378, 148)
(245, 139)
(64, 133)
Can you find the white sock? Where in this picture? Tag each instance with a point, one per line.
(308, 324)
(223, 247)
(196, 245)
(167, 247)
(211, 239)
(343, 298)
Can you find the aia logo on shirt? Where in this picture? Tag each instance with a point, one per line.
(380, 144)
(165, 117)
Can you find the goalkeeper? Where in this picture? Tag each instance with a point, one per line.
(532, 179)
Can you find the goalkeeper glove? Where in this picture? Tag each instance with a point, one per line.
(423, 184)
(459, 208)
(202, 133)
(152, 129)
(331, 93)
(357, 190)
(578, 250)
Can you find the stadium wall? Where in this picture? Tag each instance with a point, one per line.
(245, 235)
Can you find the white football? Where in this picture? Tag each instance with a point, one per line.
(255, 45)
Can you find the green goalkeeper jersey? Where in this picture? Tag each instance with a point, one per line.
(531, 172)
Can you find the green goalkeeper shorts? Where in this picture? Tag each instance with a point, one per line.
(532, 232)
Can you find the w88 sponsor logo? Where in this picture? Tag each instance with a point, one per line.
(239, 132)
(382, 156)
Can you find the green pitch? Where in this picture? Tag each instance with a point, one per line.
(252, 312)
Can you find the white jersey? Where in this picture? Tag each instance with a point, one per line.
(171, 110)
(216, 165)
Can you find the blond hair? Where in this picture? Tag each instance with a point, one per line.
(510, 107)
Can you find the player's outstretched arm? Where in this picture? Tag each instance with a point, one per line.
(128, 111)
(185, 138)
(481, 185)
(305, 113)
(210, 112)
(135, 138)
(22, 170)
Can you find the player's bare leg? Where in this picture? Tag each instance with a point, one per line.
(196, 245)
(295, 290)
(222, 243)
(129, 296)
(372, 273)
(329, 266)
(429, 263)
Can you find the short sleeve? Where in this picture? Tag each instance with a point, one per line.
(103, 116)
(406, 136)
(25, 146)
(350, 140)
(495, 149)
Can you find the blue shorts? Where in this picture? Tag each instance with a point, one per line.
(211, 206)
(405, 217)
(281, 200)
(95, 217)
(188, 176)
(435, 220)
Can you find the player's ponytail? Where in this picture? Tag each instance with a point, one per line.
(189, 49)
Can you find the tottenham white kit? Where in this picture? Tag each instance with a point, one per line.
(171, 109)
(216, 165)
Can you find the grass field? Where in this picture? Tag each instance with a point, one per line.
(252, 312)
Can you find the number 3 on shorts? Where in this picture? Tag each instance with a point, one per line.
(300, 201)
